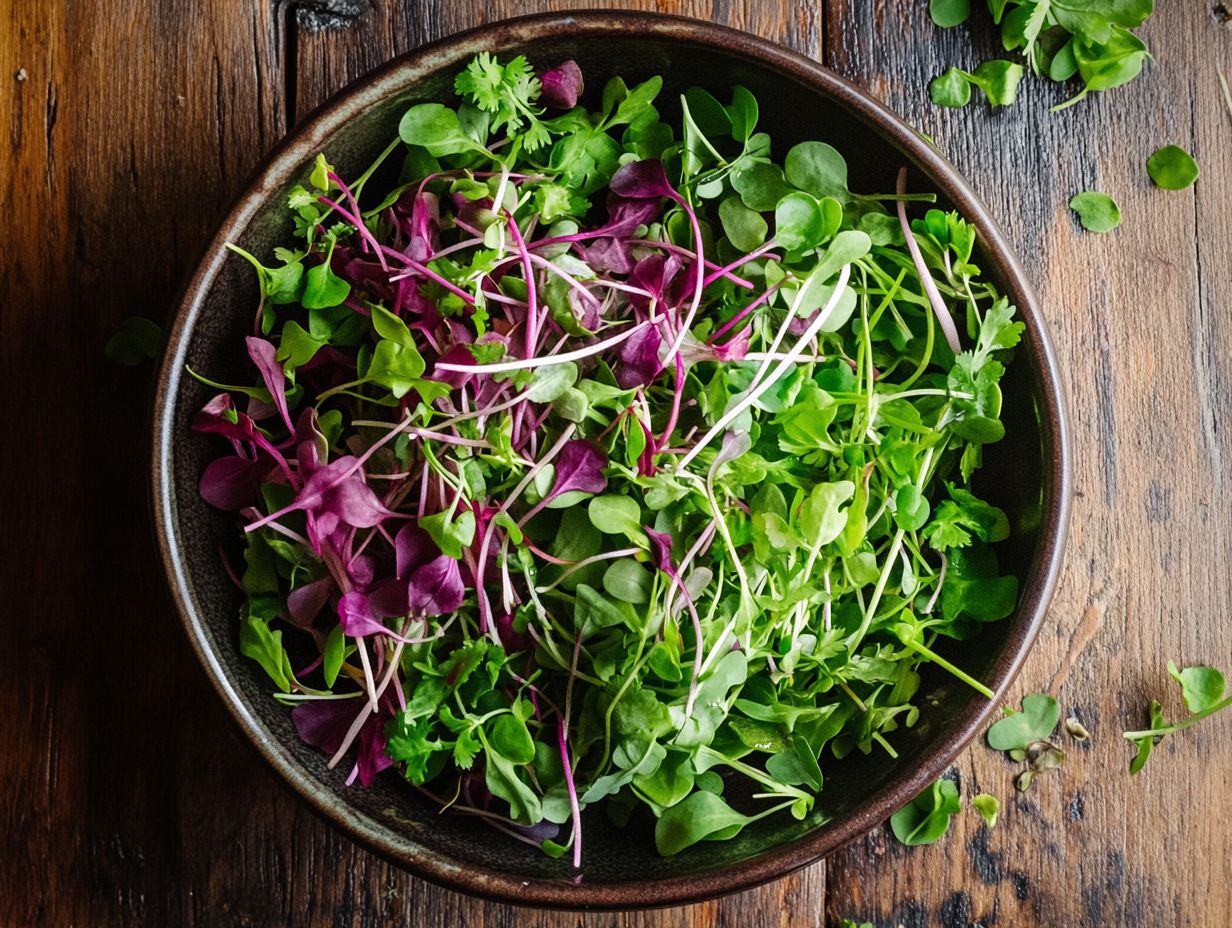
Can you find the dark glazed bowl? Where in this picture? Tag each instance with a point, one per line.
(799, 100)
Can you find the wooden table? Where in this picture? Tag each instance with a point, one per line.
(127, 796)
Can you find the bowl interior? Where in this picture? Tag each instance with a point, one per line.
(218, 310)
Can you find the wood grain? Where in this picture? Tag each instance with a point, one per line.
(129, 799)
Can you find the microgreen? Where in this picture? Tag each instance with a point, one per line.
(1202, 690)
(606, 460)
(997, 79)
(1097, 212)
(946, 13)
(927, 817)
(1058, 39)
(1172, 168)
(988, 807)
(1039, 716)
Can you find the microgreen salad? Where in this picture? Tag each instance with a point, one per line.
(601, 457)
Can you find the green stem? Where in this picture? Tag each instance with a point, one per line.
(1179, 726)
(946, 665)
(926, 357)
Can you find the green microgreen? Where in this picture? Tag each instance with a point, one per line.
(988, 807)
(1097, 212)
(1172, 168)
(1058, 39)
(997, 79)
(927, 817)
(1202, 690)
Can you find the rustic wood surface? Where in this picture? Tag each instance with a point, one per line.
(126, 795)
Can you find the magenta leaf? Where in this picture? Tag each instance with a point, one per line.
(357, 618)
(219, 416)
(372, 757)
(306, 602)
(643, 180)
(231, 483)
(733, 350)
(661, 550)
(626, 214)
(413, 548)
(335, 498)
(436, 588)
(323, 724)
(561, 86)
(608, 256)
(262, 353)
(639, 359)
(579, 468)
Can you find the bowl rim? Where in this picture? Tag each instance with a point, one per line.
(302, 143)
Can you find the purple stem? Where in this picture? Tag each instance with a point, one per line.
(426, 271)
(532, 303)
(677, 393)
(681, 250)
(574, 808)
(734, 320)
(739, 262)
(354, 219)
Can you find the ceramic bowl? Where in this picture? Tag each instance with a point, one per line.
(1026, 473)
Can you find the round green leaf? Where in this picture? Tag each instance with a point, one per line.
(760, 185)
(798, 222)
(745, 228)
(616, 515)
(999, 80)
(911, 509)
(551, 381)
(831, 217)
(1039, 716)
(628, 581)
(436, 128)
(817, 168)
(947, 13)
(927, 817)
(508, 736)
(950, 89)
(1097, 212)
(1172, 168)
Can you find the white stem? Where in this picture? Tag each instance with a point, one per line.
(930, 286)
(757, 389)
(546, 361)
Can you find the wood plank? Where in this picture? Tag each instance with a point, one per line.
(1147, 358)
(128, 127)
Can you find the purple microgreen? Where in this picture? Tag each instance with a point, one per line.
(579, 468)
(325, 724)
(561, 86)
(639, 358)
(305, 603)
(231, 483)
(262, 353)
